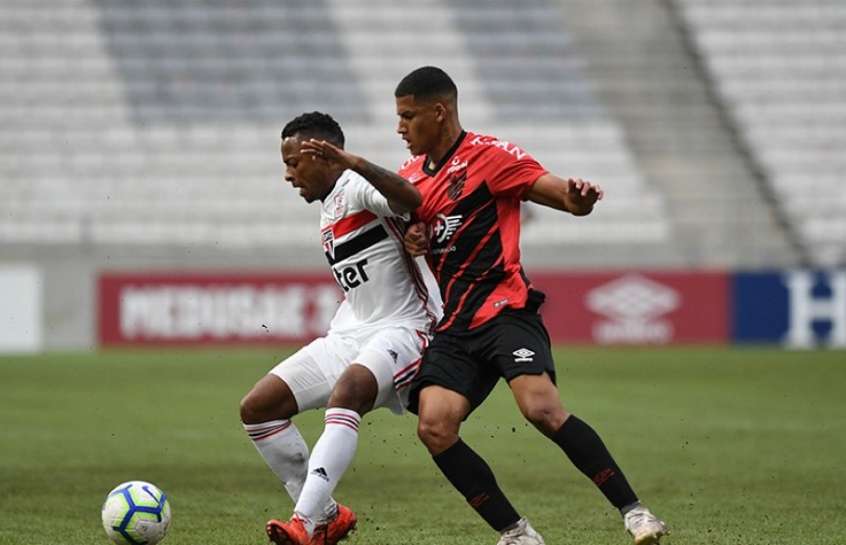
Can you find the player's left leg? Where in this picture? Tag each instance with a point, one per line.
(353, 396)
(525, 359)
(297, 384)
(540, 404)
(365, 384)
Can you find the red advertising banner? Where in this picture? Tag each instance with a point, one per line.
(645, 308)
(199, 308)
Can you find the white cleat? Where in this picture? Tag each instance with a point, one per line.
(522, 534)
(645, 528)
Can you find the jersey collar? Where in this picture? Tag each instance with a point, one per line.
(447, 156)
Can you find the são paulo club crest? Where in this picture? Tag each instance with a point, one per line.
(328, 239)
(339, 205)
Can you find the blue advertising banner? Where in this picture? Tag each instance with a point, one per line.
(795, 308)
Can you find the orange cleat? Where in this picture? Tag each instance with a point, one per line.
(292, 532)
(338, 528)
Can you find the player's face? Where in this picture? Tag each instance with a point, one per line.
(419, 123)
(305, 172)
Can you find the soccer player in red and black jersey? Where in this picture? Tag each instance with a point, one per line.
(469, 229)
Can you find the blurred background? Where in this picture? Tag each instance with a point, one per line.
(141, 191)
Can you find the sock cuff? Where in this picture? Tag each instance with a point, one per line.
(342, 417)
(571, 425)
(263, 430)
(456, 448)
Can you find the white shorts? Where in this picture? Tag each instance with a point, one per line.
(393, 355)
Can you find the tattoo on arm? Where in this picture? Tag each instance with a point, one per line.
(394, 187)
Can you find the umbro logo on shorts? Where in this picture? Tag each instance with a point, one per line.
(523, 355)
(320, 472)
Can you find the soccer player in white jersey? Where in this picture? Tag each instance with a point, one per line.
(375, 341)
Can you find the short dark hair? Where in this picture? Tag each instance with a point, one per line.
(315, 125)
(427, 82)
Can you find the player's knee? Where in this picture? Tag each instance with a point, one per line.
(356, 390)
(269, 399)
(250, 413)
(438, 435)
(548, 418)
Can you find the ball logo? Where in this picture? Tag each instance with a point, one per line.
(633, 306)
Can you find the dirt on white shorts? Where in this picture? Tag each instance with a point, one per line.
(392, 354)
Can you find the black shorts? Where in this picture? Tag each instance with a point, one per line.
(512, 344)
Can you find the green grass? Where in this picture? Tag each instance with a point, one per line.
(729, 446)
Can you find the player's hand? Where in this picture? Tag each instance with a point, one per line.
(322, 149)
(582, 195)
(416, 242)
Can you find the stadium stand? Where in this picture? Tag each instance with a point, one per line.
(643, 70)
(780, 67)
(153, 127)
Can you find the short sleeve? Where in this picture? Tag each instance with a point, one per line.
(369, 198)
(512, 172)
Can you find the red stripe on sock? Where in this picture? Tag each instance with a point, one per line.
(349, 419)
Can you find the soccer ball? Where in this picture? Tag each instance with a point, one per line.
(136, 513)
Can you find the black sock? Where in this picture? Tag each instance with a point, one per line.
(588, 453)
(471, 476)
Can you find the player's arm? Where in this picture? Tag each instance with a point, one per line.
(402, 196)
(572, 195)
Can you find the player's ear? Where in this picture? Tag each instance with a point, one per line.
(440, 112)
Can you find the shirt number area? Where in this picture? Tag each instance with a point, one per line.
(351, 276)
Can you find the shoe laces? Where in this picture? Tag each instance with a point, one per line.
(514, 535)
(640, 516)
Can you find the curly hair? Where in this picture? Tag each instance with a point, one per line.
(315, 125)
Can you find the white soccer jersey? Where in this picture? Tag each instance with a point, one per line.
(383, 285)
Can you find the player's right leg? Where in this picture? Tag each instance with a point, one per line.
(266, 413)
(447, 389)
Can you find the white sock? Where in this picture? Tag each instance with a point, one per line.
(285, 451)
(331, 457)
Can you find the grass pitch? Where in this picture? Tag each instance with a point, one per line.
(731, 447)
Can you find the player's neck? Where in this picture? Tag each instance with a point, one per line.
(446, 143)
(331, 188)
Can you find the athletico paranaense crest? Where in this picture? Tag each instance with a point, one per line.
(457, 173)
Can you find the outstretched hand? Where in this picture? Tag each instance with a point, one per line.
(325, 150)
(582, 195)
(416, 242)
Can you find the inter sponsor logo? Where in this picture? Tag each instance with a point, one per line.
(351, 276)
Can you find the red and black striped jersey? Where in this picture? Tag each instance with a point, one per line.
(471, 204)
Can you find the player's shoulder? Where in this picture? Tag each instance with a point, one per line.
(492, 146)
(351, 182)
(411, 165)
